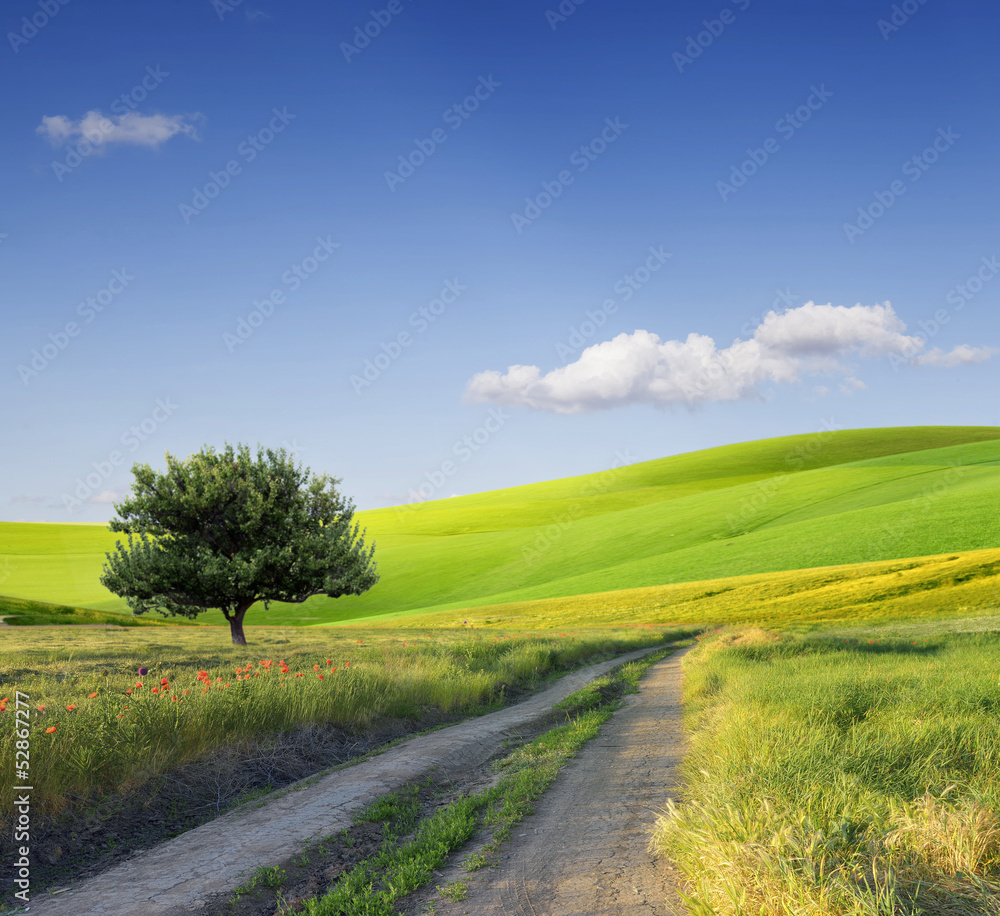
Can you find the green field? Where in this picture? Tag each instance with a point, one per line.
(98, 728)
(841, 776)
(778, 504)
(876, 750)
(23, 612)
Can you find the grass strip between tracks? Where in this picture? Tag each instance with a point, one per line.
(374, 886)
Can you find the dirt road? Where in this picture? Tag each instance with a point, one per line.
(584, 852)
(181, 875)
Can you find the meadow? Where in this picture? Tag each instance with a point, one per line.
(844, 713)
(840, 776)
(831, 498)
(23, 612)
(99, 728)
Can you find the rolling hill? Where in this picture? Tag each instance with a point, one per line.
(844, 497)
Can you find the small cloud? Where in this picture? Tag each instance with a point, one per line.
(23, 499)
(962, 355)
(821, 390)
(640, 368)
(131, 128)
(105, 497)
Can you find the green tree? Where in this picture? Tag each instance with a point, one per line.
(224, 530)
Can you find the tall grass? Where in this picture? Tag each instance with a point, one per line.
(834, 776)
(96, 732)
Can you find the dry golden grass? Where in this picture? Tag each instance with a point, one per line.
(953, 840)
(840, 777)
(921, 588)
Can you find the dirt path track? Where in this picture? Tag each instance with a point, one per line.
(584, 852)
(175, 878)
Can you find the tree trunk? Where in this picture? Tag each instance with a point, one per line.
(236, 625)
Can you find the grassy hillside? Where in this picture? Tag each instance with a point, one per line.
(795, 502)
(922, 588)
(22, 612)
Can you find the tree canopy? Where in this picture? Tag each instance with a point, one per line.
(227, 529)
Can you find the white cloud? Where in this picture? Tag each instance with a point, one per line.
(102, 130)
(828, 330)
(852, 384)
(640, 368)
(105, 497)
(962, 355)
(24, 498)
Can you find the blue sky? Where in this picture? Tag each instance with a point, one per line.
(335, 228)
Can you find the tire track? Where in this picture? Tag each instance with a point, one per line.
(178, 877)
(585, 851)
